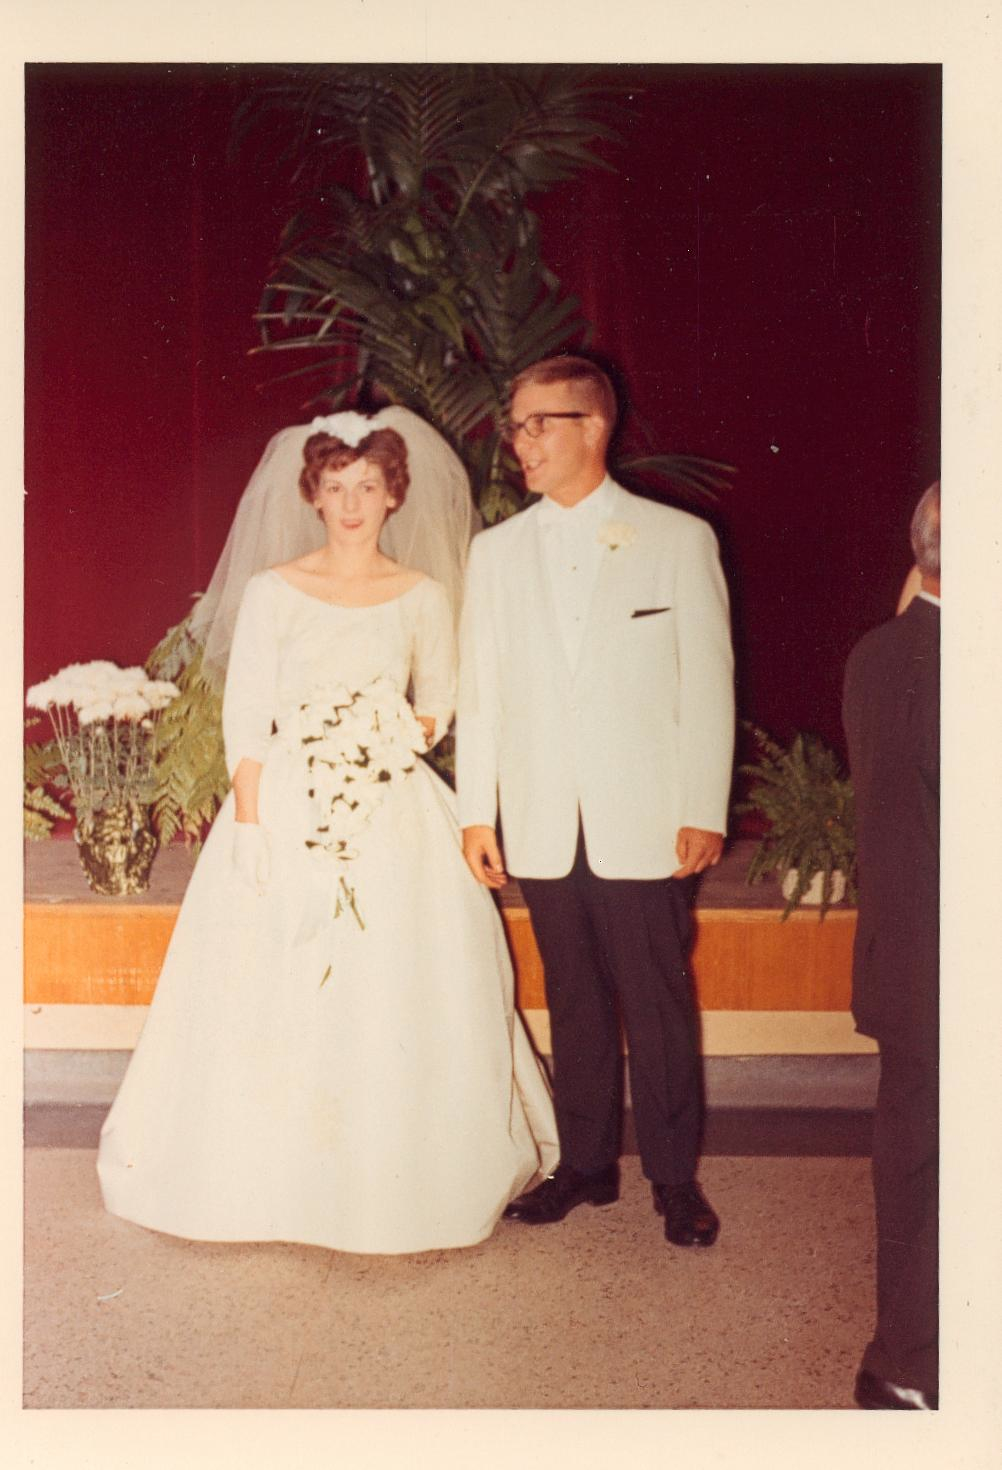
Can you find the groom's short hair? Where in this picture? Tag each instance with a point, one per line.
(595, 388)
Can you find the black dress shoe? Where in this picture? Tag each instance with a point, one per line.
(561, 1191)
(879, 1393)
(689, 1220)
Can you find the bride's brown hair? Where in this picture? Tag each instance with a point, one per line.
(383, 447)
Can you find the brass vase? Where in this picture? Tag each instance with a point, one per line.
(117, 846)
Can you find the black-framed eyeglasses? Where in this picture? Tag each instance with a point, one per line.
(535, 424)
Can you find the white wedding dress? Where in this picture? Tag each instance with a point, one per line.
(395, 1105)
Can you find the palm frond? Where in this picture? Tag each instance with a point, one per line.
(424, 284)
(685, 474)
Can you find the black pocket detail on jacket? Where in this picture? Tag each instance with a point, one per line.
(648, 612)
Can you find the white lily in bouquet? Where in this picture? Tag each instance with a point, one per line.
(357, 744)
(105, 722)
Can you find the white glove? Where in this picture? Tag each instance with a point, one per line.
(251, 862)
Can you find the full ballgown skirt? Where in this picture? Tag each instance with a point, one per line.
(395, 1105)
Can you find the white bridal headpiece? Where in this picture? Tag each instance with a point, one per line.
(351, 428)
(431, 531)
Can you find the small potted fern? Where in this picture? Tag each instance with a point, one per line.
(807, 801)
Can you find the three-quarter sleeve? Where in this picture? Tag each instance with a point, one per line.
(249, 698)
(433, 665)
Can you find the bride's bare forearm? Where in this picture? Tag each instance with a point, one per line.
(246, 784)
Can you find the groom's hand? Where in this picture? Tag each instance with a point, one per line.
(697, 850)
(483, 856)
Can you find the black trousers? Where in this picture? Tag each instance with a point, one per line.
(906, 1194)
(611, 947)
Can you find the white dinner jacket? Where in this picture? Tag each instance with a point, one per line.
(638, 736)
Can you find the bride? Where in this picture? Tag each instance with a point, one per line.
(332, 1055)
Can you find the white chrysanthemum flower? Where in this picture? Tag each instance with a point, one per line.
(159, 693)
(101, 710)
(128, 681)
(129, 706)
(102, 764)
(100, 672)
(68, 687)
(82, 685)
(40, 696)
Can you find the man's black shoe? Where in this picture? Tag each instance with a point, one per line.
(879, 1393)
(561, 1191)
(689, 1220)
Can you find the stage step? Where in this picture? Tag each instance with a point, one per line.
(763, 985)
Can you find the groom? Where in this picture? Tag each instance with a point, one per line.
(596, 717)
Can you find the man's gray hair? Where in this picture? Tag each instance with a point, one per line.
(925, 532)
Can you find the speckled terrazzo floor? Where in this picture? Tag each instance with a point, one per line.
(596, 1312)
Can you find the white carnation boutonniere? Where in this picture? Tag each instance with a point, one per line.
(615, 534)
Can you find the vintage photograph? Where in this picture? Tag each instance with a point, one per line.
(481, 735)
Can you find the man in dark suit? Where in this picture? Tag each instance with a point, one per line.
(891, 718)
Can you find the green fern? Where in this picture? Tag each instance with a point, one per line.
(43, 770)
(808, 803)
(190, 769)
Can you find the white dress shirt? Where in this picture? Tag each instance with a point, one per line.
(572, 554)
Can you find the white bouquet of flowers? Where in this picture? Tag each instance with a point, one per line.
(105, 724)
(357, 744)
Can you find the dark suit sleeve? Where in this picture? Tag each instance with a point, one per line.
(891, 717)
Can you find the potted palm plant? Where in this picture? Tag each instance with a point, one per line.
(807, 803)
(424, 284)
(411, 272)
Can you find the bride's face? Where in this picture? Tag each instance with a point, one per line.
(353, 502)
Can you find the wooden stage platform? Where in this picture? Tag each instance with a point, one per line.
(763, 985)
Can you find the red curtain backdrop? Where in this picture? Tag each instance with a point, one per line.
(761, 271)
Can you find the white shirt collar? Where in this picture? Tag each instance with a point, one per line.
(929, 597)
(595, 506)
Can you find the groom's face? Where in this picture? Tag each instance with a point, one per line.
(567, 456)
